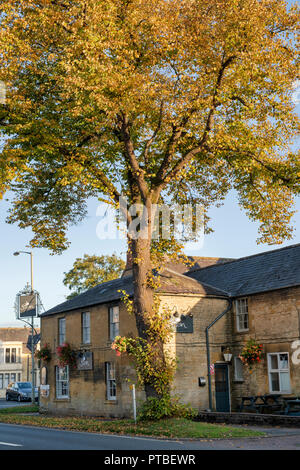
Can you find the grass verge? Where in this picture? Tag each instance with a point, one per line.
(169, 428)
(19, 409)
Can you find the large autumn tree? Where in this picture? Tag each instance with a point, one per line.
(174, 101)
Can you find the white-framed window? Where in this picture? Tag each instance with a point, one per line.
(61, 331)
(111, 389)
(11, 356)
(13, 377)
(62, 382)
(86, 327)
(1, 381)
(242, 316)
(238, 369)
(19, 377)
(113, 322)
(279, 372)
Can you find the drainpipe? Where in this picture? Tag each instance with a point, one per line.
(208, 351)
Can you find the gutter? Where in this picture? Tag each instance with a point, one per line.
(208, 351)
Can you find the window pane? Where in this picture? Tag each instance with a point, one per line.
(238, 368)
(6, 380)
(274, 361)
(275, 385)
(86, 319)
(1, 356)
(283, 361)
(86, 328)
(284, 381)
(62, 330)
(13, 355)
(115, 314)
(115, 330)
(1, 381)
(7, 355)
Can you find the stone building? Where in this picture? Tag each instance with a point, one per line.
(217, 305)
(15, 358)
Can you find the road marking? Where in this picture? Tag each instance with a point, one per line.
(10, 444)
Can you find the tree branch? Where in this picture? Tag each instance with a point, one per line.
(162, 177)
(137, 171)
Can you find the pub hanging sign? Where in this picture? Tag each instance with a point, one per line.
(84, 360)
(185, 324)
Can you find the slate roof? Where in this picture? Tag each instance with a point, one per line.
(268, 271)
(198, 262)
(171, 282)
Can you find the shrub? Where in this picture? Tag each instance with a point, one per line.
(164, 407)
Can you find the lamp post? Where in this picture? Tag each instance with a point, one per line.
(16, 253)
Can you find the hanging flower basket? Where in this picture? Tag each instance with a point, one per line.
(44, 353)
(119, 345)
(66, 355)
(251, 353)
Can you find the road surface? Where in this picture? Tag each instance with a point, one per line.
(18, 437)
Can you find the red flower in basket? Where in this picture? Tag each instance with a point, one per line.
(66, 355)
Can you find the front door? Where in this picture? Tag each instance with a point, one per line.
(222, 388)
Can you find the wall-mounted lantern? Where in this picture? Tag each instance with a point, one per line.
(227, 356)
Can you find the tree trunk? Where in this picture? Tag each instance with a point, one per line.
(143, 300)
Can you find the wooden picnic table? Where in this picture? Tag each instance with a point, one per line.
(260, 403)
(292, 405)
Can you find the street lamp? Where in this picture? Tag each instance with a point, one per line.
(16, 253)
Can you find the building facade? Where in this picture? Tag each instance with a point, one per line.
(216, 307)
(15, 358)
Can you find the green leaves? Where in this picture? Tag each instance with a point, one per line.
(203, 90)
(92, 270)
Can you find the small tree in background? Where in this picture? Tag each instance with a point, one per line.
(92, 270)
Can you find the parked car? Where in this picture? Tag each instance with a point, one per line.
(21, 391)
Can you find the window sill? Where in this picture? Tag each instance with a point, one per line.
(59, 400)
(111, 402)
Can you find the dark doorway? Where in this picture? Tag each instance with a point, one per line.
(222, 388)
